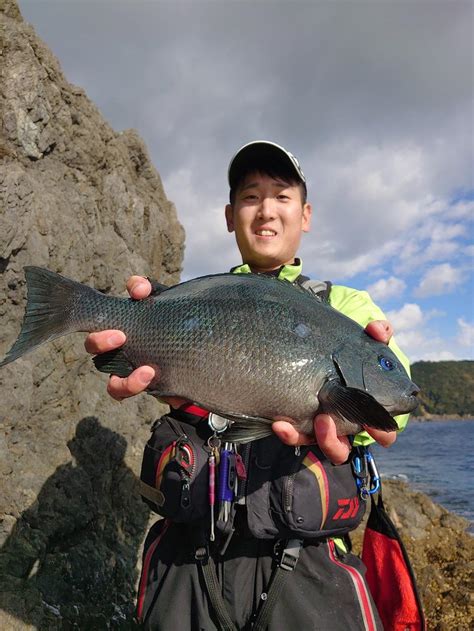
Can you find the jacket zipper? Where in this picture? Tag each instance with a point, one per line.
(289, 483)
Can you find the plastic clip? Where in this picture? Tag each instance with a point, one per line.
(291, 554)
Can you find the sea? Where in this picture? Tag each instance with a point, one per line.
(436, 457)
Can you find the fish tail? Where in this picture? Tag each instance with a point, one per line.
(54, 308)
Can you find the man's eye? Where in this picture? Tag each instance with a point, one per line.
(283, 197)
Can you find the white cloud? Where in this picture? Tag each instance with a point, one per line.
(421, 345)
(410, 316)
(386, 288)
(209, 247)
(419, 340)
(439, 280)
(380, 205)
(465, 335)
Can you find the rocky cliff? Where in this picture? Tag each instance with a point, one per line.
(83, 200)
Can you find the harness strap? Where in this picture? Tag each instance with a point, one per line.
(151, 493)
(206, 563)
(286, 565)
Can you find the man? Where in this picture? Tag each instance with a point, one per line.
(268, 212)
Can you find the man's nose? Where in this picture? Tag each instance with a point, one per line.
(267, 208)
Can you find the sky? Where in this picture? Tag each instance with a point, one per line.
(375, 98)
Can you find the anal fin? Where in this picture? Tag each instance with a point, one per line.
(246, 428)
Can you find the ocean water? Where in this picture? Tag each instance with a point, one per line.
(435, 457)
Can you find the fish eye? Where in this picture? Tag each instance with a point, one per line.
(386, 364)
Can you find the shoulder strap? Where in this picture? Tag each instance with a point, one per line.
(320, 288)
(281, 572)
(214, 592)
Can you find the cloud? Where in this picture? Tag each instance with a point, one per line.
(420, 340)
(410, 316)
(441, 279)
(386, 288)
(465, 335)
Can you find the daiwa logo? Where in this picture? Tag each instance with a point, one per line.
(348, 508)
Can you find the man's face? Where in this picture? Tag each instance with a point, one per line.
(268, 217)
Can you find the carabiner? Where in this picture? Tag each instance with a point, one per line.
(374, 474)
(359, 467)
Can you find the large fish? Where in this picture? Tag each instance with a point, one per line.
(246, 347)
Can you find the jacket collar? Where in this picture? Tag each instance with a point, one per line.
(286, 272)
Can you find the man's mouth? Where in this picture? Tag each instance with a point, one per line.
(265, 232)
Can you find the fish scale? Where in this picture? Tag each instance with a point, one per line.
(248, 347)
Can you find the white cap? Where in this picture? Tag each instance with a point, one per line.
(263, 150)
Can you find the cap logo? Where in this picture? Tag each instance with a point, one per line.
(297, 165)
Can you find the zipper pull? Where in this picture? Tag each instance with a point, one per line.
(185, 495)
(240, 467)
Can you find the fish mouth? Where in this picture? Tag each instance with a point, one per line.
(407, 404)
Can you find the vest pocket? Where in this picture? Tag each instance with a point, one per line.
(315, 498)
(173, 480)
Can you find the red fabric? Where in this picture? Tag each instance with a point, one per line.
(390, 583)
(194, 409)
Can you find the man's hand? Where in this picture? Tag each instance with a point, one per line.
(336, 448)
(123, 387)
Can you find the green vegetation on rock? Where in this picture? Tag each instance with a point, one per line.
(447, 387)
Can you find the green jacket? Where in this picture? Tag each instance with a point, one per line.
(356, 305)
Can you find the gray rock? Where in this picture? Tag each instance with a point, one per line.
(83, 200)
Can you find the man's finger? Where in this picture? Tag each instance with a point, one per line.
(380, 330)
(104, 341)
(123, 387)
(335, 448)
(383, 438)
(289, 435)
(138, 287)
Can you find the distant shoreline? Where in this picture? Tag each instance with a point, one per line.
(440, 417)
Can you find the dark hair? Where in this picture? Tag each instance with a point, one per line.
(274, 168)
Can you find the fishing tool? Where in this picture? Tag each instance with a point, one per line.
(213, 444)
(227, 481)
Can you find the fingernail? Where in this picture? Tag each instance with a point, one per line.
(137, 285)
(145, 376)
(115, 339)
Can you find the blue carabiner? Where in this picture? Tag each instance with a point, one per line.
(359, 467)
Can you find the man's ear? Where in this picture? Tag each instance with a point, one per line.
(229, 217)
(307, 214)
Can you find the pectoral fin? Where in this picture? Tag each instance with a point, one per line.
(113, 362)
(356, 406)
